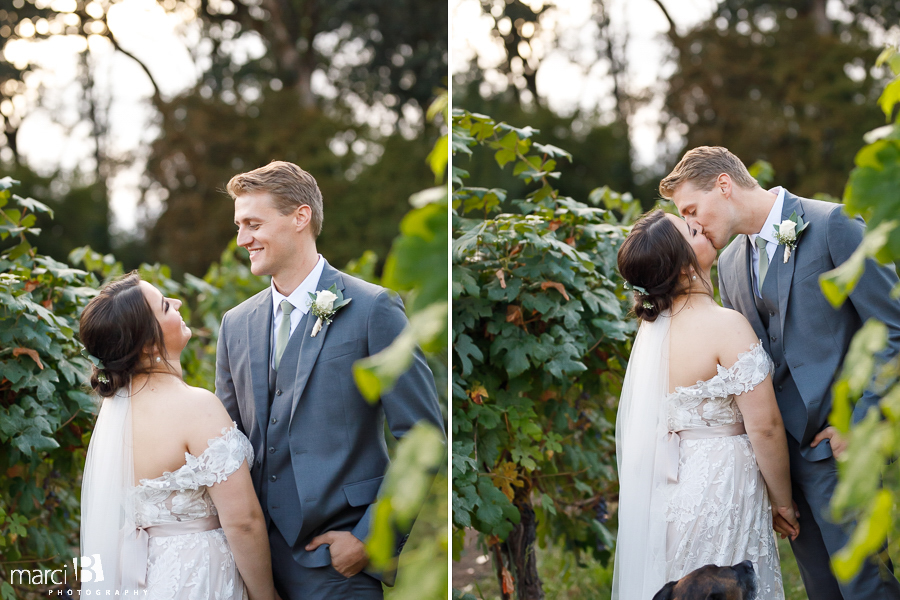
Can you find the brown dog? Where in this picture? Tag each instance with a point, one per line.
(713, 583)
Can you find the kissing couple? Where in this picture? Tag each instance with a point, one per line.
(722, 430)
(267, 488)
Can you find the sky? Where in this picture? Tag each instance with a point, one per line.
(52, 135)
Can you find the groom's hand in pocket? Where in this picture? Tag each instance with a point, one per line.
(348, 554)
(838, 443)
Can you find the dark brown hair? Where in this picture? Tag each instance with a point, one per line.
(117, 326)
(653, 258)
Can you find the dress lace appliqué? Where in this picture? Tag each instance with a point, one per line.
(193, 565)
(719, 512)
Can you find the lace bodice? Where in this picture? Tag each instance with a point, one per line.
(182, 495)
(711, 403)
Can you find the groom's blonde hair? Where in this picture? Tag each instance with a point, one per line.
(702, 166)
(289, 185)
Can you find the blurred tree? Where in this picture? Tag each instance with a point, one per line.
(598, 137)
(601, 153)
(338, 87)
(779, 82)
(206, 142)
(81, 212)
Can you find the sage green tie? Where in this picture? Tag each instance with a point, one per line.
(763, 261)
(284, 331)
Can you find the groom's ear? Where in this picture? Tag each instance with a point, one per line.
(666, 592)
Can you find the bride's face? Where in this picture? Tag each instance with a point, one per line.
(703, 248)
(175, 332)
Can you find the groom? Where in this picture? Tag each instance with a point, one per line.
(779, 294)
(320, 453)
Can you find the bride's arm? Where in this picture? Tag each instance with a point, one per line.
(762, 419)
(768, 438)
(235, 500)
(245, 528)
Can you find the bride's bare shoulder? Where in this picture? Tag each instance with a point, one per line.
(733, 334)
(203, 417)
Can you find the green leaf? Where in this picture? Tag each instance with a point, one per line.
(889, 99)
(464, 348)
(840, 282)
(867, 539)
(856, 373)
(376, 375)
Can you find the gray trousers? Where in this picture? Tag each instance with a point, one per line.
(296, 582)
(813, 486)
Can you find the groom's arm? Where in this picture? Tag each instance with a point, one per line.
(224, 382)
(871, 298)
(413, 398)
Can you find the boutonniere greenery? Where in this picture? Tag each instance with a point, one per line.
(324, 304)
(788, 233)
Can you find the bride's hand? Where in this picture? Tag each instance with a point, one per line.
(785, 521)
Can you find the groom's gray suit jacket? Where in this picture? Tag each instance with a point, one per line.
(805, 336)
(315, 432)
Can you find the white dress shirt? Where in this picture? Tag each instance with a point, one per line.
(767, 233)
(299, 298)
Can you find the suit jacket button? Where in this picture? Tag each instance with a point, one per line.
(777, 365)
(771, 313)
(272, 450)
(273, 478)
(773, 338)
(277, 392)
(780, 387)
(274, 420)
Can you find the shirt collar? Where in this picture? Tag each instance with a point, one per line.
(300, 296)
(768, 229)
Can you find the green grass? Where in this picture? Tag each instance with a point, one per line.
(565, 579)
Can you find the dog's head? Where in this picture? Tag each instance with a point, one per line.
(713, 583)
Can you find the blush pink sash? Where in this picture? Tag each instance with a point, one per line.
(673, 441)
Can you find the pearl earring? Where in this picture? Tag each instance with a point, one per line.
(694, 278)
(159, 360)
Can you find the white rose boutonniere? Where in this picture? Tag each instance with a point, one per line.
(788, 233)
(324, 304)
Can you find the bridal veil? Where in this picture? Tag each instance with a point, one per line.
(107, 507)
(640, 563)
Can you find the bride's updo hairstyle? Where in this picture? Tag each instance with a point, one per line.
(117, 327)
(653, 258)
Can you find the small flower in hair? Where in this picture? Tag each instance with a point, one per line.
(647, 304)
(101, 376)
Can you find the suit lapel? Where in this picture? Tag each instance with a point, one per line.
(259, 328)
(746, 302)
(786, 270)
(311, 346)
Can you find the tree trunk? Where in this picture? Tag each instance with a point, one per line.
(520, 545)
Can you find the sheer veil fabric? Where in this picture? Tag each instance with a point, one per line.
(640, 563)
(108, 528)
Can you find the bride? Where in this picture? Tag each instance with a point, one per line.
(167, 501)
(701, 449)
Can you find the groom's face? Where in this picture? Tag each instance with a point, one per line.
(706, 211)
(268, 235)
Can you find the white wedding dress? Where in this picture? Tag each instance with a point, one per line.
(160, 539)
(718, 511)
(690, 490)
(198, 564)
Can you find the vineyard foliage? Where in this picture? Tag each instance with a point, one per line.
(540, 341)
